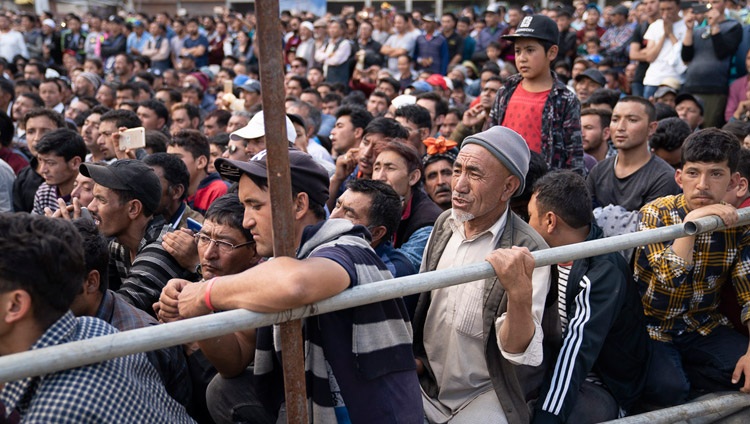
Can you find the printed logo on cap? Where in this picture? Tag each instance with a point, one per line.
(526, 22)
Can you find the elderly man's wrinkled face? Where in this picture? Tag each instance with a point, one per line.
(481, 186)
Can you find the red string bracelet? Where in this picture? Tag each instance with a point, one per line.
(207, 296)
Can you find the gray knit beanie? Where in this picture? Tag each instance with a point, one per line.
(508, 147)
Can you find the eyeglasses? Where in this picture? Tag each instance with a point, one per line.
(223, 246)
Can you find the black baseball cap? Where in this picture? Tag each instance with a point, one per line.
(687, 96)
(594, 75)
(536, 26)
(129, 175)
(307, 176)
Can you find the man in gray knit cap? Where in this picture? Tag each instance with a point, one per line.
(470, 340)
(86, 84)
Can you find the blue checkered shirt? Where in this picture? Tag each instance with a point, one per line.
(121, 390)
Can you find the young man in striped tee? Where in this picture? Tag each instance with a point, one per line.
(602, 365)
(359, 363)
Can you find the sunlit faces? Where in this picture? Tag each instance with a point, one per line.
(36, 127)
(257, 216)
(705, 183)
(391, 168)
(106, 140)
(110, 213)
(629, 127)
(437, 182)
(217, 260)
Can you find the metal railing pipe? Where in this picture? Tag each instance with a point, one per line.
(690, 410)
(71, 355)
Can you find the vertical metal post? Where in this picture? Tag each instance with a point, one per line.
(438, 9)
(280, 188)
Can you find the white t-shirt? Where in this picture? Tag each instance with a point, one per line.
(669, 61)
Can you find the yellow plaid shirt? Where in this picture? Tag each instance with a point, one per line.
(681, 297)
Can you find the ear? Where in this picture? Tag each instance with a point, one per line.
(301, 205)
(606, 134)
(734, 181)
(135, 209)
(75, 162)
(550, 222)
(552, 52)
(414, 177)
(358, 133)
(378, 233)
(652, 128)
(16, 306)
(424, 133)
(176, 191)
(91, 283)
(201, 162)
(195, 122)
(162, 122)
(678, 177)
(742, 187)
(510, 185)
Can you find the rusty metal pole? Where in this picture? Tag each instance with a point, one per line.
(280, 188)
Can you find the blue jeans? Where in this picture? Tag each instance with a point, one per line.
(649, 91)
(692, 362)
(636, 88)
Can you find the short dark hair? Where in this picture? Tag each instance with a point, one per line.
(564, 193)
(318, 210)
(38, 65)
(388, 127)
(406, 151)
(174, 95)
(228, 210)
(416, 114)
(604, 115)
(192, 110)
(8, 86)
(192, 141)
(158, 107)
(664, 111)
(222, 117)
(604, 96)
(712, 145)
(62, 142)
(175, 170)
(385, 203)
(743, 165)
(332, 97)
(303, 82)
(156, 141)
(95, 251)
(650, 111)
(135, 90)
(670, 134)
(6, 130)
(53, 116)
(195, 89)
(393, 82)
(44, 257)
(359, 117)
(123, 118)
(441, 106)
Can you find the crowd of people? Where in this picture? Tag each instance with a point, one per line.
(416, 143)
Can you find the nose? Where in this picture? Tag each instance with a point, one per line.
(378, 175)
(460, 183)
(247, 220)
(443, 179)
(94, 206)
(211, 251)
(702, 182)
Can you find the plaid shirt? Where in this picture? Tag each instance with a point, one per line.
(680, 297)
(615, 43)
(562, 146)
(121, 390)
(169, 362)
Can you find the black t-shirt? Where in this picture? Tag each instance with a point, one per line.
(640, 70)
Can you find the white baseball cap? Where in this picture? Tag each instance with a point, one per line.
(255, 128)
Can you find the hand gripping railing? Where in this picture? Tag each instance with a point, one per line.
(84, 352)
